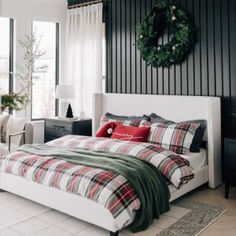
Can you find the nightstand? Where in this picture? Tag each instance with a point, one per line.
(56, 128)
(229, 163)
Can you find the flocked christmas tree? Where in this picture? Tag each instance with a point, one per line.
(69, 113)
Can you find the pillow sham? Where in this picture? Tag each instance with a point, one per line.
(176, 137)
(118, 117)
(198, 137)
(106, 130)
(126, 120)
(132, 134)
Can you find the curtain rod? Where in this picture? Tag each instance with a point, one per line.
(84, 4)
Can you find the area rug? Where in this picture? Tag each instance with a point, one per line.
(199, 217)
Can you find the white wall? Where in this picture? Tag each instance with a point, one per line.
(26, 11)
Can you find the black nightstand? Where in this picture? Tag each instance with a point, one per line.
(56, 128)
(230, 164)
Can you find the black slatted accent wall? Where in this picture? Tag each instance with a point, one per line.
(210, 70)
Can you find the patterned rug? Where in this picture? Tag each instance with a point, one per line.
(199, 217)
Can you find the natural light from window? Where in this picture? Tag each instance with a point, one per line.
(4, 54)
(44, 78)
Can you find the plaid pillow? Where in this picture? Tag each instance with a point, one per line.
(134, 122)
(175, 137)
(198, 137)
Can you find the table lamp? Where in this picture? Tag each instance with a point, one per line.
(66, 91)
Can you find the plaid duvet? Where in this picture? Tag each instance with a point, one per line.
(106, 188)
(175, 169)
(176, 137)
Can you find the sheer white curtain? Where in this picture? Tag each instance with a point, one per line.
(83, 62)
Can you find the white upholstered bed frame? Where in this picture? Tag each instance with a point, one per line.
(177, 108)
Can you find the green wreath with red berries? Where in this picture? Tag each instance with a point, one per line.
(181, 28)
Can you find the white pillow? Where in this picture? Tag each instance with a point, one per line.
(15, 125)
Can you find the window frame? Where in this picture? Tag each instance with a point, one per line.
(11, 55)
(57, 66)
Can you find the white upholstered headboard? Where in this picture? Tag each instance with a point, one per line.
(176, 108)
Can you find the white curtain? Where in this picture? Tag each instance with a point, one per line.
(83, 57)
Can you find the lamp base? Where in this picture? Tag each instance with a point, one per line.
(69, 113)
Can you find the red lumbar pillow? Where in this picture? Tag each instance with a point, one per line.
(106, 130)
(130, 133)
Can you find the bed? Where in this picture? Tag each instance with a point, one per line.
(177, 108)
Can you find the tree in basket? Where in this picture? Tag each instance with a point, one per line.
(23, 75)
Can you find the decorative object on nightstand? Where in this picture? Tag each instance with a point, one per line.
(229, 163)
(66, 91)
(56, 128)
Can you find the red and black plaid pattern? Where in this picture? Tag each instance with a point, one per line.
(176, 137)
(107, 188)
(134, 122)
(175, 168)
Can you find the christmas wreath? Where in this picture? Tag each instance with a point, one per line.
(182, 30)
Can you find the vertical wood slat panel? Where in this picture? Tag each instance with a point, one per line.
(128, 48)
(133, 47)
(143, 72)
(209, 69)
(233, 60)
(149, 74)
(123, 47)
(178, 71)
(218, 48)
(109, 50)
(139, 59)
(226, 49)
(190, 65)
(114, 53)
(197, 49)
(233, 55)
(204, 49)
(211, 49)
(119, 46)
(184, 76)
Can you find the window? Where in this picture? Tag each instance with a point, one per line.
(6, 55)
(46, 77)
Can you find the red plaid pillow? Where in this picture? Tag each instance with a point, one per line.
(176, 137)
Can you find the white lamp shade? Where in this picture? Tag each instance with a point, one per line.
(65, 91)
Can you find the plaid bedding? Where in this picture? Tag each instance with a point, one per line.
(175, 169)
(176, 137)
(105, 187)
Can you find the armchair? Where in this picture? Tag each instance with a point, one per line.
(22, 133)
(12, 135)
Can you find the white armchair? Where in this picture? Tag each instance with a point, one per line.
(12, 132)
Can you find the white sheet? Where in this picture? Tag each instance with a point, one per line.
(197, 159)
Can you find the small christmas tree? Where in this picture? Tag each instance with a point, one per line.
(69, 113)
